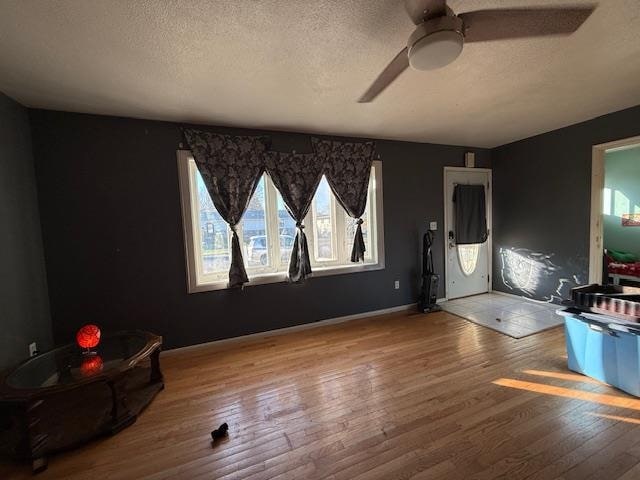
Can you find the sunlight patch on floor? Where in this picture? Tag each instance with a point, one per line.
(601, 398)
(572, 377)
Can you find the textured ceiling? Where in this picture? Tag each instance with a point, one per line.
(301, 65)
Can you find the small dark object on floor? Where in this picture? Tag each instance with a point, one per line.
(220, 432)
(498, 319)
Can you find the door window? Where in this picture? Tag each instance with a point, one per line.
(468, 257)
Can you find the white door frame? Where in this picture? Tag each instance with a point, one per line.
(597, 189)
(445, 232)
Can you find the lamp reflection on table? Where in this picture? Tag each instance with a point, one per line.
(91, 365)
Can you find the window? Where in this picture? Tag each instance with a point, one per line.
(468, 257)
(267, 232)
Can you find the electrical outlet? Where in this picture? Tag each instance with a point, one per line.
(433, 226)
(397, 284)
(33, 349)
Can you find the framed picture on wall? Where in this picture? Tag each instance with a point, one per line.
(631, 219)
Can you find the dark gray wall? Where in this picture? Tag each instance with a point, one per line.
(112, 228)
(541, 204)
(24, 305)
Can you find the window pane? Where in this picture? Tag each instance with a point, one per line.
(286, 232)
(330, 231)
(254, 229)
(350, 228)
(468, 257)
(214, 234)
(323, 222)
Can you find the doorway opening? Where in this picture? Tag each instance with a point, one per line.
(614, 246)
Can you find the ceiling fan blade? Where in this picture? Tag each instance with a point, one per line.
(419, 9)
(500, 24)
(398, 65)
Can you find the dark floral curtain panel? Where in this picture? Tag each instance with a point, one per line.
(296, 176)
(347, 168)
(231, 167)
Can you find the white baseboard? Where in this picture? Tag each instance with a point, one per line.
(295, 328)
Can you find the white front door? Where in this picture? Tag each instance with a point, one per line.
(467, 268)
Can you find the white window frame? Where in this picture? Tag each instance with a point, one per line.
(197, 281)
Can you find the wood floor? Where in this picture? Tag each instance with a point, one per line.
(394, 397)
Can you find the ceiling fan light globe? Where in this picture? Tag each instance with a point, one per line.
(436, 50)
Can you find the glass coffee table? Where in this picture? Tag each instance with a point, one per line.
(65, 397)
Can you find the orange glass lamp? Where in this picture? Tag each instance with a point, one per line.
(88, 337)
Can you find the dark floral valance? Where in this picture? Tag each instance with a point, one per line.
(230, 167)
(296, 176)
(347, 167)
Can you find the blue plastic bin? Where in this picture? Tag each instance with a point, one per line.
(604, 351)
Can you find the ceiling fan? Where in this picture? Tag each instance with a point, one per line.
(440, 34)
